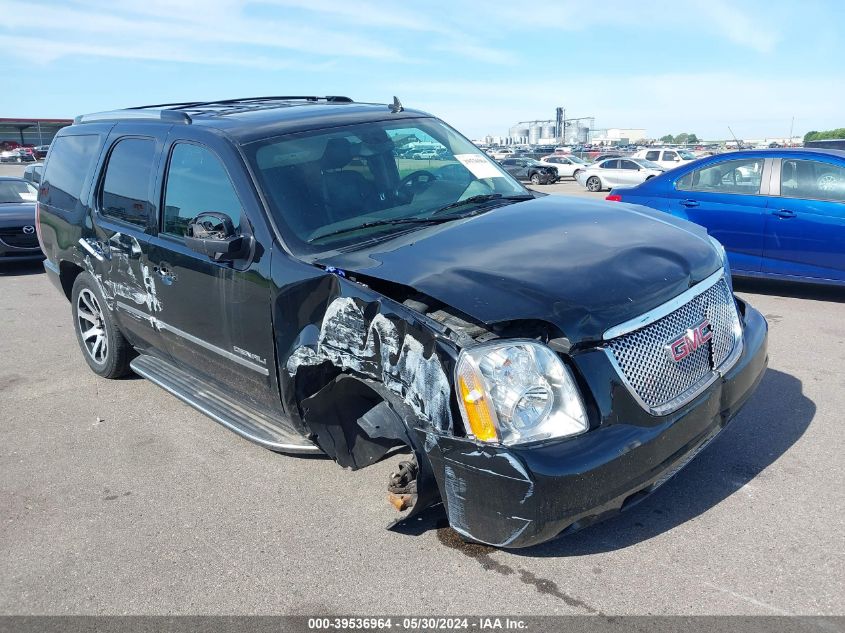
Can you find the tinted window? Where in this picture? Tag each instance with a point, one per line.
(812, 180)
(196, 182)
(71, 161)
(610, 164)
(628, 164)
(652, 156)
(730, 176)
(668, 156)
(126, 185)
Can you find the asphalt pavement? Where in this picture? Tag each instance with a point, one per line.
(116, 498)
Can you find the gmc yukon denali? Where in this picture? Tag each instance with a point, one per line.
(286, 267)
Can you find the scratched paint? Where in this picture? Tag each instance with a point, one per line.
(378, 351)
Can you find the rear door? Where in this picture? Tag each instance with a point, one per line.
(805, 223)
(728, 198)
(215, 316)
(124, 226)
(609, 172)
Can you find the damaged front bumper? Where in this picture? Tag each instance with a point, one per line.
(522, 496)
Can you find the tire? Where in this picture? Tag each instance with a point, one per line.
(594, 184)
(535, 178)
(105, 349)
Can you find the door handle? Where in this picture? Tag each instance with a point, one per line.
(784, 213)
(689, 203)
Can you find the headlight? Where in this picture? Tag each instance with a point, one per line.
(517, 391)
(726, 265)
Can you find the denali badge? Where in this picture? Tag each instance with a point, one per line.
(691, 340)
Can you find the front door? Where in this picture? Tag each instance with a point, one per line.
(726, 198)
(215, 316)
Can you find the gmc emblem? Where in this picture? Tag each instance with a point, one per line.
(691, 340)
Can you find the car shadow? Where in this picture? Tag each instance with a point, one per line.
(19, 269)
(794, 289)
(775, 417)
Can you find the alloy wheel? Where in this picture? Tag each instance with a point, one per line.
(92, 327)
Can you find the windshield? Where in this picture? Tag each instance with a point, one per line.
(686, 155)
(16, 191)
(335, 188)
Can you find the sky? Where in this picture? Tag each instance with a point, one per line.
(668, 66)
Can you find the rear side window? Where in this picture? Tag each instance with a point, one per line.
(125, 193)
(71, 161)
(812, 180)
(196, 182)
(652, 156)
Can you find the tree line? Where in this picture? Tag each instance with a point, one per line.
(818, 136)
(681, 139)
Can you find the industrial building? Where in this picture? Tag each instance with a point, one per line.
(29, 132)
(566, 131)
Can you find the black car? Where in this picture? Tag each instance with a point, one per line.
(40, 151)
(602, 157)
(529, 170)
(544, 361)
(18, 238)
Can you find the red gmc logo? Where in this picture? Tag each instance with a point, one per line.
(691, 340)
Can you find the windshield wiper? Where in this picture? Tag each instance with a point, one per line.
(366, 225)
(484, 197)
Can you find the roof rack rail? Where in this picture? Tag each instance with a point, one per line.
(198, 104)
(170, 116)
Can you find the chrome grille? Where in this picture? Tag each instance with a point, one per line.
(647, 367)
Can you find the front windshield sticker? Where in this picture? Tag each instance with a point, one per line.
(479, 166)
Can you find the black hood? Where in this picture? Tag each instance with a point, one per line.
(17, 214)
(582, 265)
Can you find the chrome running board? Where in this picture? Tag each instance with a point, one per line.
(241, 418)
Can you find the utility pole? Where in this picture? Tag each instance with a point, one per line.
(791, 125)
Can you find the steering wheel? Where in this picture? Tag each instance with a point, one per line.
(416, 181)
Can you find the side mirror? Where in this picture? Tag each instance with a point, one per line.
(676, 159)
(213, 233)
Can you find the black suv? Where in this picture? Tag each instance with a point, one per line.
(282, 265)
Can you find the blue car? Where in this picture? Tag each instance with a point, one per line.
(779, 213)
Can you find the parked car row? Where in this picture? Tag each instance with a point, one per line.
(18, 155)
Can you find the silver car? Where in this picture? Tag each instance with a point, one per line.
(617, 172)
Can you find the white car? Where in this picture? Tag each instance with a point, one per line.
(501, 153)
(617, 172)
(666, 158)
(566, 165)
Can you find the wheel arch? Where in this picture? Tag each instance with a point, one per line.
(68, 272)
